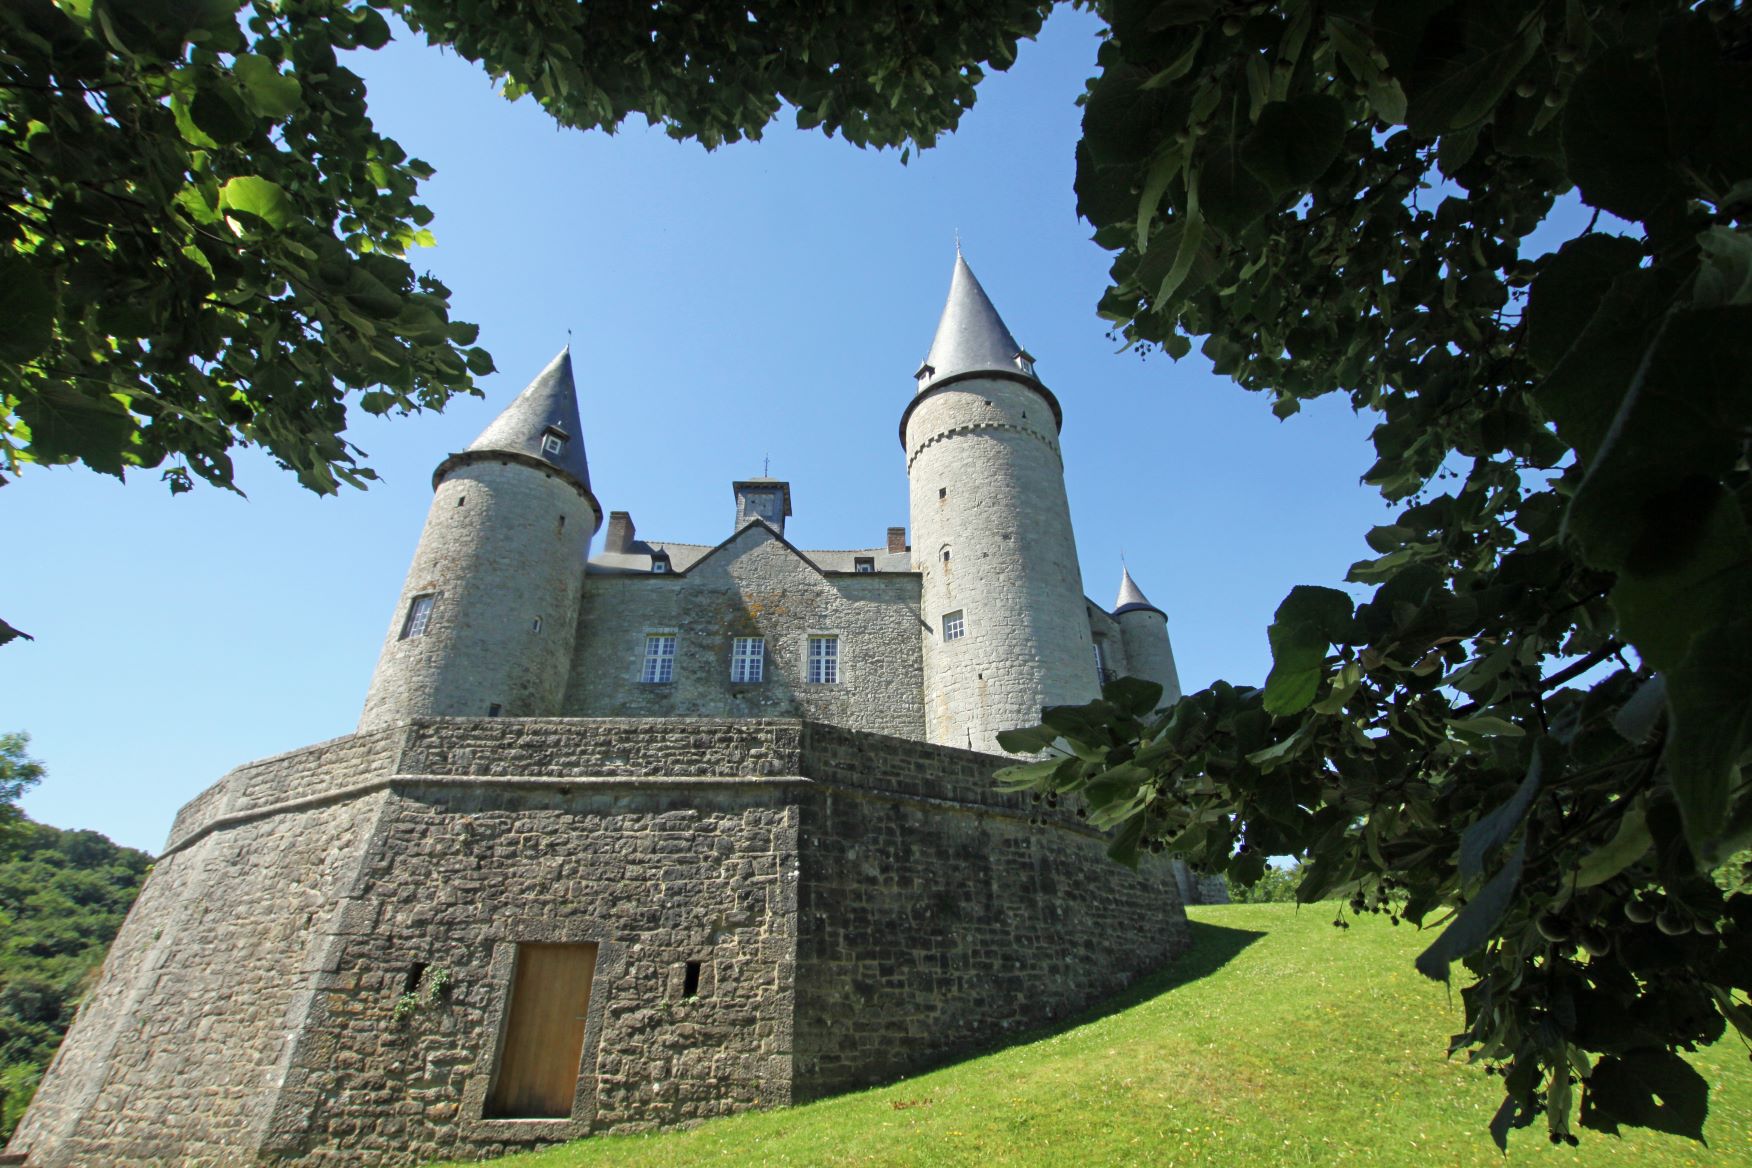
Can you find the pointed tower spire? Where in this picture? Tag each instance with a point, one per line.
(542, 423)
(1131, 597)
(971, 336)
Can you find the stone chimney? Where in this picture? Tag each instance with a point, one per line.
(619, 539)
(896, 538)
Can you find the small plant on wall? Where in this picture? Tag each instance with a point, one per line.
(424, 987)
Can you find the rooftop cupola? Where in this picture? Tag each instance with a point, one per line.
(762, 498)
(540, 427)
(1131, 597)
(971, 337)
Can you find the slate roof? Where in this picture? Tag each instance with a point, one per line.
(549, 404)
(971, 336)
(683, 556)
(1131, 597)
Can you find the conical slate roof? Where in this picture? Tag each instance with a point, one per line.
(1131, 597)
(971, 336)
(547, 407)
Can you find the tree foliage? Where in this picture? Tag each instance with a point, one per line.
(18, 773)
(63, 895)
(1531, 731)
(204, 242)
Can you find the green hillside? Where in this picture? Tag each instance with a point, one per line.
(1279, 1041)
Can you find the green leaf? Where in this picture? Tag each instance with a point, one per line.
(1709, 698)
(220, 114)
(271, 93)
(1651, 1088)
(1027, 740)
(1456, 87)
(1133, 695)
(1491, 831)
(1615, 136)
(1697, 582)
(1565, 296)
(1016, 778)
(1636, 719)
(1487, 725)
(1477, 922)
(257, 196)
(1627, 845)
(1293, 142)
(27, 309)
(68, 425)
(1308, 620)
(1679, 427)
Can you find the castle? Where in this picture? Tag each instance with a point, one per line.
(638, 838)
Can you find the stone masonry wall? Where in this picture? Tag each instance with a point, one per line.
(986, 483)
(177, 1056)
(461, 875)
(502, 555)
(859, 905)
(755, 586)
(933, 919)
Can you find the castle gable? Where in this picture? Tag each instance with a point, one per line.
(753, 628)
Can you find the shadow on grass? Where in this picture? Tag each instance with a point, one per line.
(1213, 946)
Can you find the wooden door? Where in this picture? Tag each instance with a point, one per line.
(544, 1036)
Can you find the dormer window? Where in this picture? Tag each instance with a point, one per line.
(660, 563)
(864, 564)
(1025, 363)
(553, 440)
(925, 373)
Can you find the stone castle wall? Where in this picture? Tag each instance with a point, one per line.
(860, 906)
(754, 586)
(502, 556)
(986, 481)
(935, 919)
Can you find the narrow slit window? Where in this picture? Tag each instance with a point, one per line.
(747, 660)
(419, 615)
(659, 659)
(954, 625)
(942, 492)
(416, 974)
(823, 660)
(690, 980)
(535, 625)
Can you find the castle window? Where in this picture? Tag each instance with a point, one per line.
(494, 710)
(690, 980)
(823, 660)
(659, 659)
(954, 625)
(535, 625)
(419, 615)
(1101, 674)
(864, 564)
(942, 492)
(660, 563)
(747, 660)
(552, 443)
(945, 555)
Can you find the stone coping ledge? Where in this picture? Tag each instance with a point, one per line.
(600, 783)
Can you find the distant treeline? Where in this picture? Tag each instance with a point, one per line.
(63, 895)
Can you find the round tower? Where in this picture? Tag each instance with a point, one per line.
(1005, 628)
(1143, 629)
(488, 616)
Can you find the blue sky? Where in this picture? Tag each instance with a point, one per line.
(768, 299)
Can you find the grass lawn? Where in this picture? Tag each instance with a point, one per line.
(1278, 1041)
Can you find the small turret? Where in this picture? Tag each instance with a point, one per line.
(488, 615)
(1005, 628)
(1144, 630)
